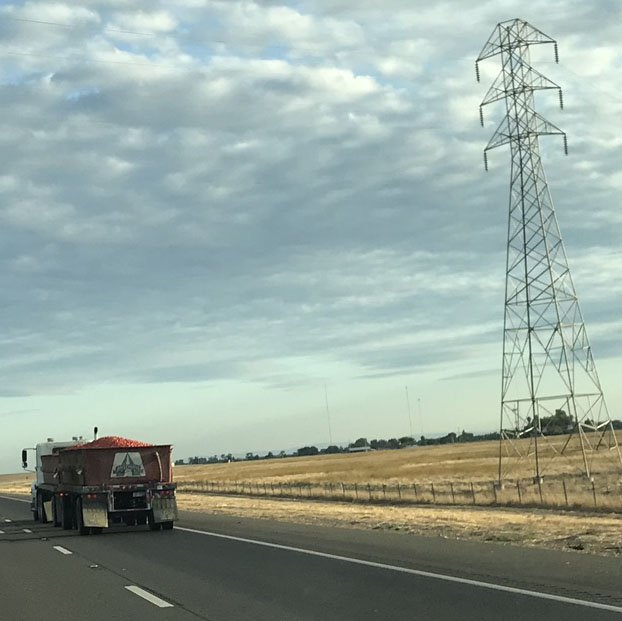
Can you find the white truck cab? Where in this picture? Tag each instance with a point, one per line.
(43, 448)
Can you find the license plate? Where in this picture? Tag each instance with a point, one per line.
(138, 494)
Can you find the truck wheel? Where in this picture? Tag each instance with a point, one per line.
(167, 525)
(153, 525)
(82, 529)
(66, 514)
(41, 508)
(56, 511)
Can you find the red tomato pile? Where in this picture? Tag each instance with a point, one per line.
(112, 442)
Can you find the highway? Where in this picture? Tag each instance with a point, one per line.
(222, 568)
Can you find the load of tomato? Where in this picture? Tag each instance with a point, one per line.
(112, 442)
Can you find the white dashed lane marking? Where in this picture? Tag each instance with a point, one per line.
(27, 530)
(62, 550)
(156, 601)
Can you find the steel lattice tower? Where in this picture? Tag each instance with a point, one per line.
(548, 368)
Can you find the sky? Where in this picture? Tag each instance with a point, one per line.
(217, 218)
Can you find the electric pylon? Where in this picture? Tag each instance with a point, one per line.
(552, 403)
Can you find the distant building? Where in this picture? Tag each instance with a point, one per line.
(360, 449)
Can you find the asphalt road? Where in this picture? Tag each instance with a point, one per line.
(222, 568)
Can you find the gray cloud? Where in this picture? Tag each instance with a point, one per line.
(191, 193)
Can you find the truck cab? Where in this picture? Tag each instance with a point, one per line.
(41, 449)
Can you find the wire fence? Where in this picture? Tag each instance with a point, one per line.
(559, 492)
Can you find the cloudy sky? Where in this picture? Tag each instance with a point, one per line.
(211, 210)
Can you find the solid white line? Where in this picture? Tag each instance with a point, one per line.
(62, 550)
(415, 572)
(156, 601)
(27, 530)
(16, 499)
(7, 521)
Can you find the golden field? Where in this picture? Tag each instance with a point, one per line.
(476, 461)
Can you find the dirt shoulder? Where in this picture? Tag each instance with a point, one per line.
(592, 533)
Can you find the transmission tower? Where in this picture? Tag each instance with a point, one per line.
(549, 378)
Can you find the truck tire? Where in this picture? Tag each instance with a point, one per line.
(167, 525)
(41, 508)
(153, 525)
(82, 529)
(56, 511)
(66, 513)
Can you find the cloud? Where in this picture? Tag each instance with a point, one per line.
(255, 191)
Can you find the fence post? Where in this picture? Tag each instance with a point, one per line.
(265, 489)
(300, 489)
(356, 491)
(433, 493)
(384, 491)
(540, 490)
(494, 489)
(594, 492)
(453, 496)
(415, 489)
(343, 490)
(272, 488)
(472, 492)
(520, 498)
(369, 491)
(565, 491)
(399, 491)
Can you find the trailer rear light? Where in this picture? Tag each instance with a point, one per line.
(165, 493)
(91, 496)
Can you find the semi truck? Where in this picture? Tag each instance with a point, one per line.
(90, 486)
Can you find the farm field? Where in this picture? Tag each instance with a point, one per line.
(476, 461)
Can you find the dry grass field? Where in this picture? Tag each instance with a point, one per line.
(15, 483)
(477, 461)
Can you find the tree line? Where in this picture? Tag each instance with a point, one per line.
(558, 423)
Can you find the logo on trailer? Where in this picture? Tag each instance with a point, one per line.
(127, 465)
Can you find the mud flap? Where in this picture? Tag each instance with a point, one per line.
(47, 507)
(164, 509)
(95, 513)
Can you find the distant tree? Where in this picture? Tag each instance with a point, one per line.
(307, 451)
(466, 437)
(393, 443)
(332, 449)
(361, 442)
(179, 462)
(406, 441)
(282, 454)
(269, 455)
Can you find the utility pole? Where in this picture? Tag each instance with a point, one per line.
(548, 367)
(330, 431)
(410, 419)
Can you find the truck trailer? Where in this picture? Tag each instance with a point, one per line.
(90, 486)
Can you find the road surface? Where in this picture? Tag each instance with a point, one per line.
(222, 568)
